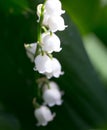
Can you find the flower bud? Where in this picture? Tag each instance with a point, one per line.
(50, 42)
(30, 50)
(43, 115)
(52, 94)
(39, 9)
(45, 15)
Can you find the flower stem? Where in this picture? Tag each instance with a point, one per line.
(35, 104)
(40, 22)
(40, 30)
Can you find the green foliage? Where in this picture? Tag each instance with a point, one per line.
(98, 57)
(84, 13)
(85, 96)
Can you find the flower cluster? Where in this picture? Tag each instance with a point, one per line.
(40, 53)
(51, 96)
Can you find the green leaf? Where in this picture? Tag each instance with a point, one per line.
(98, 57)
(101, 29)
(85, 93)
(84, 13)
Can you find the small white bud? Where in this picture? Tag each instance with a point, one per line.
(52, 95)
(43, 115)
(50, 42)
(39, 9)
(45, 15)
(30, 50)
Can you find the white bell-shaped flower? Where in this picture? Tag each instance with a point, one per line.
(52, 94)
(43, 64)
(56, 69)
(30, 50)
(53, 7)
(43, 115)
(56, 23)
(52, 11)
(49, 67)
(50, 42)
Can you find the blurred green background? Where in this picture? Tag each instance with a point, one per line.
(83, 59)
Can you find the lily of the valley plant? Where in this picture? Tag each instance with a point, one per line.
(40, 53)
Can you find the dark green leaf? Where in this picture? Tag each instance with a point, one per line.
(85, 93)
(84, 13)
